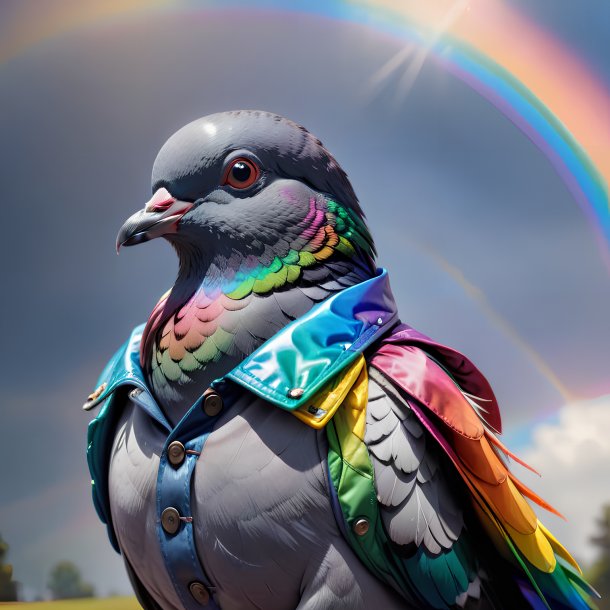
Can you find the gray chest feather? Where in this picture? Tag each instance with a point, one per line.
(263, 522)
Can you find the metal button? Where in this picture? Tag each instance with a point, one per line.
(176, 453)
(361, 527)
(212, 404)
(170, 520)
(92, 399)
(379, 321)
(135, 392)
(96, 393)
(296, 392)
(200, 593)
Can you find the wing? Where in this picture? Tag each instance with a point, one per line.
(418, 500)
(425, 400)
(418, 506)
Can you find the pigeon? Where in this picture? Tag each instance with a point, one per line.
(274, 437)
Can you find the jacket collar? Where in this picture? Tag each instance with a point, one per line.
(290, 367)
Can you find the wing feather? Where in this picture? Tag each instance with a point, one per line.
(409, 483)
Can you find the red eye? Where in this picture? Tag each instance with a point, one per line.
(241, 174)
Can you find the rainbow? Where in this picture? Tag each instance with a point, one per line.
(565, 113)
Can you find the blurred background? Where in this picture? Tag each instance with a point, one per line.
(491, 218)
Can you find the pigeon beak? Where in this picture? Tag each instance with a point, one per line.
(160, 216)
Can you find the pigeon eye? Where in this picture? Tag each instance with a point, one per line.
(241, 174)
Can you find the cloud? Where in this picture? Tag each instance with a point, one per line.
(573, 456)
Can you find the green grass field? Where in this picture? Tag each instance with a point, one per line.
(110, 603)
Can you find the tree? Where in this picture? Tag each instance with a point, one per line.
(599, 574)
(8, 587)
(65, 582)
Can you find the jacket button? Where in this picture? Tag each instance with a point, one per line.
(170, 520)
(212, 404)
(200, 593)
(176, 453)
(135, 392)
(97, 393)
(361, 527)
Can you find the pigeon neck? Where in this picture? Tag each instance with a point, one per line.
(200, 332)
(226, 304)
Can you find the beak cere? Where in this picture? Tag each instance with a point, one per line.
(160, 201)
(160, 216)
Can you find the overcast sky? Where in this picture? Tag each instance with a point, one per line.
(486, 249)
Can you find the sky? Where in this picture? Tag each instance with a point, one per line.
(486, 247)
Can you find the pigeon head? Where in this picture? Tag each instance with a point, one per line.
(239, 185)
(265, 224)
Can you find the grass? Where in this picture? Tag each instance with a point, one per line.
(110, 603)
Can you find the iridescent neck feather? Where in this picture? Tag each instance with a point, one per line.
(208, 323)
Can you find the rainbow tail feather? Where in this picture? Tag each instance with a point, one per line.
(531, 595)
(562, 588)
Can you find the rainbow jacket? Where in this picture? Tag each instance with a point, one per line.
(317, 368)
